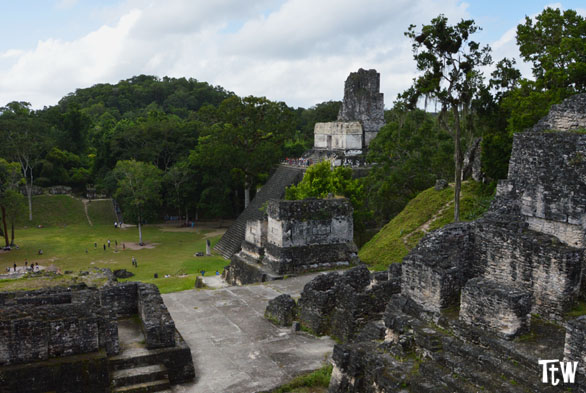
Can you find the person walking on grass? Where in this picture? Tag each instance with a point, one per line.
(134, 263)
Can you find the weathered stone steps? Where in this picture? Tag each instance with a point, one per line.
(284, 176)
(146, 387)
(133, 357)
(136, 375)
(431, 374)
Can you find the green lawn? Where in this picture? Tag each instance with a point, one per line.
(65, 247)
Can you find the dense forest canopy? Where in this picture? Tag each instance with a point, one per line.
(212, 149)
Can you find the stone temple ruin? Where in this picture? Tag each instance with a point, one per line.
(343, 142)
(66, 339)
(294, 237)
(359, 120)
(476, 305)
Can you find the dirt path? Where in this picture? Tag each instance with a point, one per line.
(425, 226)
(85, 204)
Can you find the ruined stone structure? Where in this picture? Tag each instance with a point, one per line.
(481, 302)
(342, 142)
(275, 187)
(359, 120)
(295, 237)
(66, 340)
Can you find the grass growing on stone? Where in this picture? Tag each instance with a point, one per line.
(65, 235)
(429, 210)
(101, 212)
(315, 382)
(55, 210)
(577, 310)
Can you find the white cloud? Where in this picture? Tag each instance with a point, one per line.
(300, 51)
(64, 4)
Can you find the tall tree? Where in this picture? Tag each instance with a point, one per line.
(10, 198)
(24, 141)
(555, 43)
(450, 63)
(246, 139)
(138, 191)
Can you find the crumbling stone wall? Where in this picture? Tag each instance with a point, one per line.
(158, 326)
(567, 116)
(342, 304)
(59, 339)
(49, 323)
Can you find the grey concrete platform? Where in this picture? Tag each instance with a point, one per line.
(234, 348)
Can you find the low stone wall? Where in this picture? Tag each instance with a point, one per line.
(46, 332)
(158, 326)
(122, 298)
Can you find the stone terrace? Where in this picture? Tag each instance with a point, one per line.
(235, 349)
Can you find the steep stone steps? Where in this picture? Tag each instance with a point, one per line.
(284, 176)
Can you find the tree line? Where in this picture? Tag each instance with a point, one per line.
(203, 151)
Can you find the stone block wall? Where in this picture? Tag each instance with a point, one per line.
(575, 344)
(256, 232)
(82, 374)
(437, 269)
(498, 307)
(547, 178)
(309, 221)
(536, 263)
(122, 298)
(158, 326)
(46, 332)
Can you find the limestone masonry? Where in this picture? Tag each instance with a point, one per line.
(295, 237)
(479, 303)
(66, 339)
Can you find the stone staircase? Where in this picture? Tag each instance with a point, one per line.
(137, 370)
(284, 176)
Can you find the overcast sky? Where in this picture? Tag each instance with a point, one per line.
(297, 51)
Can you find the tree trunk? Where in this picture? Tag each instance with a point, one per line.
(186, 216)
(4, 225)
(246, 195)
(12, 234)
(29, 194)
(458, 162)
(140, 243)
